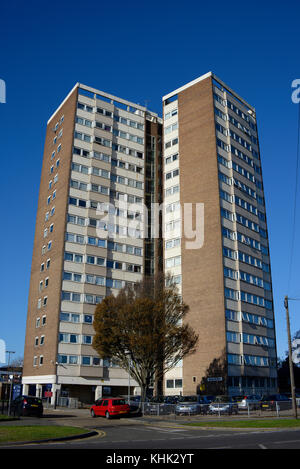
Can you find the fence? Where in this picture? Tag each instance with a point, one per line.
(4, 407)
(163, 410)
(70, 402)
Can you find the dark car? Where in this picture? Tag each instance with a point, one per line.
(135, 404)
(207, 398)
(110, 407)
(275, 402)
(157, 406)
(171, 399)
(27, 405)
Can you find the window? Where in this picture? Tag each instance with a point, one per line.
(170, 383)
(73, 360)
(70, 317)
(69, 338)
(87, 339)
(70, 296)
(63, 359)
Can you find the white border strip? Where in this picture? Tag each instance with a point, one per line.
(203, 77)
(76, 86)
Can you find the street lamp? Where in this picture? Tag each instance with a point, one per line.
(11, 378)
(129, 362)
(286, 305)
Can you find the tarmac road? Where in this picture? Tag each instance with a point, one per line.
(150, 433)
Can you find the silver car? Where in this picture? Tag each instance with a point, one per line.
(223, 405)
(188, 405)
(187, 408)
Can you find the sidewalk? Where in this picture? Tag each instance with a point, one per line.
(82, 417)
(81, 414)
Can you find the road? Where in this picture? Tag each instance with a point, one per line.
(135, 434)
(157, 438)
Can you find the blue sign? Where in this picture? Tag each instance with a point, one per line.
(17, 391)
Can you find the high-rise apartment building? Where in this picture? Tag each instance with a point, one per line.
(100, 158)
(212, 157)
(104, 157)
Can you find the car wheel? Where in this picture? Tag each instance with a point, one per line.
(107, 415)
(93, 413)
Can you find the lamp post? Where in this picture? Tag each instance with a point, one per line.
(11, 379)
(286, 305)
(128, 379)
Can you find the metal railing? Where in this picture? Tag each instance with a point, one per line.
(224, 409)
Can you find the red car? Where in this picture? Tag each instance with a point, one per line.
(109, 407)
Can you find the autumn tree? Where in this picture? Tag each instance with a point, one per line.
(143, 326)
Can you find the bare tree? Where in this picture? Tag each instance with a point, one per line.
(142, 330)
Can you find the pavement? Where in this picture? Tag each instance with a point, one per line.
(82, 418)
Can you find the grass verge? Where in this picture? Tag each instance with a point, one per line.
(14, 433)
(7, 417)
(274, 423)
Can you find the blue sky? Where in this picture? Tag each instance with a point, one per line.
(142, 51)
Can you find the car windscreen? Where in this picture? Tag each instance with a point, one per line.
(119, 402)
(33, 400)
(223, 399)
(188, 399)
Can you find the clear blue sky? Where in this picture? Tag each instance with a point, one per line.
(141, 51)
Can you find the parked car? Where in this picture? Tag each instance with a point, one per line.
(110, 407)
(191, 405)
(27, 405)
(274, 401)
(171, 399)
(251, 402)
(207, 399)
(134, 403)
(187, 405)
(157, 406)
(223, 405)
